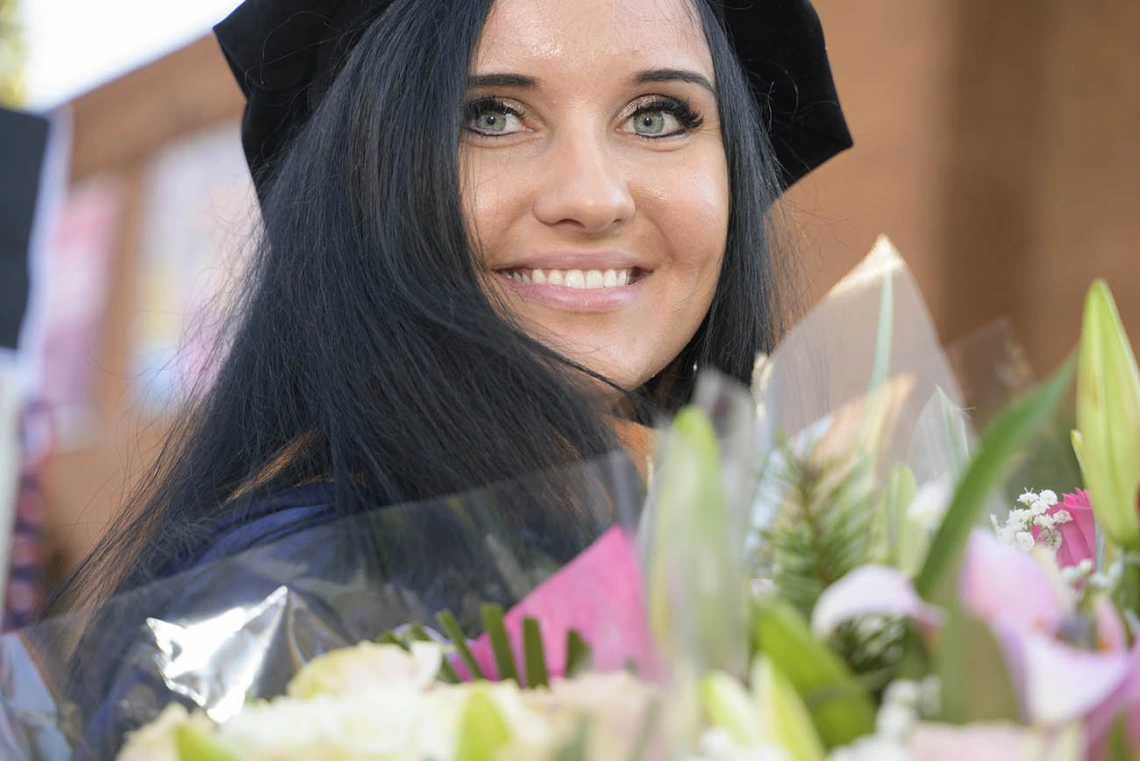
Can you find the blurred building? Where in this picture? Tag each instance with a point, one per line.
(996, 143)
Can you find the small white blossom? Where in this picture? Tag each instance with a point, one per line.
(1071, 575)
(1024, 540)
(1100, 582)
(895, 722)
(1027, 498)
(1048, 497)
(1062, 516)
(1115, 573)
(717, 744)
(931, 701)
(903, 692)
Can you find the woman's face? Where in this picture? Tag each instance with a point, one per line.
(594, 177)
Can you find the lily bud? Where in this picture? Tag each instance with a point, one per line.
(697, 591)
(1107, 439)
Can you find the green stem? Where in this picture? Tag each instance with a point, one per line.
(1130, 582)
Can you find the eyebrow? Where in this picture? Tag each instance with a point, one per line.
(502, 80)
(649, 76)
(646, 76)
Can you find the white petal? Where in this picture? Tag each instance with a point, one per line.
(870, 590)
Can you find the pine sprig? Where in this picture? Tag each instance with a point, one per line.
(822, 529)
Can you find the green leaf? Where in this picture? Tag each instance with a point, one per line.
(1108, 416)
(697, 588)
(534, 655)
(894, 533)
(1119, 746)
(459, 640)
(884, 338)
(578, 654)
(786, 717)
(578, 745)
(500, 642)
(389, 638)
(976, 686)
(729, 706)
(840, 707)
(1001, 441)
(483, 731)
(193, 744)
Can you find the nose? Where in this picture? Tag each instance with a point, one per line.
(584, 187)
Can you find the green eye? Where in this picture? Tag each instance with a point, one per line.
(655, 123)
(489, 121)
(650, 123)
(492, 117)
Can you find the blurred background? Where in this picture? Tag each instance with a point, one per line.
(996, 143)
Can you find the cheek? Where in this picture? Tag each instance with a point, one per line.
(492, 198)
(690, 208)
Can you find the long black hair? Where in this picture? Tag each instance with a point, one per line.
(363, 351)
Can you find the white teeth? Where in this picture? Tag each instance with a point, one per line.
(576, 279)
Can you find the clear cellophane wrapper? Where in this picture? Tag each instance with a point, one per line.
(240, 628)
(864, 369)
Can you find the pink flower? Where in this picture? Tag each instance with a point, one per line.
(600, 596)
(1078, 536)
(1026, 609)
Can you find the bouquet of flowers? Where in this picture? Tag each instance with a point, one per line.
(826, 566)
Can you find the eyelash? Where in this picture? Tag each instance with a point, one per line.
(682, 110)
(489, 103)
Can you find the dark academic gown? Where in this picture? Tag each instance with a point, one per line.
(292, 580)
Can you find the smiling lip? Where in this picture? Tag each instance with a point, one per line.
(618, 265)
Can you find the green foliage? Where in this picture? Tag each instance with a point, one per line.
(1002, 440)
(12, 55)
(823, 529)
(483, 731)
(976, 686)
(697, 581)
(192, 744)
(535, 664)
(840, 706)
(896, 538)
(500, 642)
(537, 675)
(459, 642)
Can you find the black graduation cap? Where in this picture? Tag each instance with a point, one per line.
(284, 53)
(23, 145)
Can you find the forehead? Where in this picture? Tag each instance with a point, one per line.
(592, 36)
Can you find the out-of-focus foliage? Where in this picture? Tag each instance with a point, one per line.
(12, 55)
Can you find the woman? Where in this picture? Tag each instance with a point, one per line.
(492, 228)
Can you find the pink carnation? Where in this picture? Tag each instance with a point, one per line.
(1078, 536)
